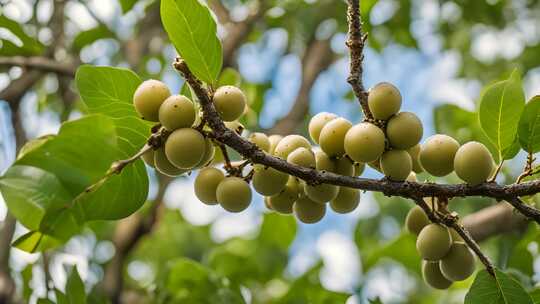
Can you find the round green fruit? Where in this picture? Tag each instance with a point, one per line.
(404, 130)
(317, 123)
(437, 154)
(185, 148)
(290, 143)
(230, 102)
(432, 275)
(364, 142)
(233, 194)
(414, 153)
(268, 181)
(148, 98)
(260, 140)
(177, 112)
(283, 201)
(308, 211)
(274, 140)
(384, 100)
(322, 193)
(148, 158)
(164, 166)
(473, 163)
(346, 201)
(209, 153)
(458, 263)
(396, 164)
(416, 220)
(302, 157)
(333, 135)
(344, 166)
(433, 242)
(206, 184)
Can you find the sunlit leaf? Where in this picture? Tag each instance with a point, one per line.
(500, 289)
(529, 126)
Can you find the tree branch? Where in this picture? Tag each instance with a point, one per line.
(40, 63)
(493, 220)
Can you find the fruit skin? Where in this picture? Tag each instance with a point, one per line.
(346, 201)
(404, 130)
(432, 275)
(274, 140)
(416, 220)
(414, 153)
(148, 158)
(302, 157)
(364, 142)
(233, 194)
(323, 162)
(433, 242)
(317, 123)
(209, 153)
(177, 111)
(290, 143)
(344, 167)
(283, 201)
(458, 263)
(261, 140)
(473, 163)
(384, 100)
(185, 148)
(268, 181)
(437, 154)
(148, 98)
(333, 135)
(164, 166)
(396, 164)
(322, 193)
(308, 211)
(206, 184)
(359, 169)
(230, 102)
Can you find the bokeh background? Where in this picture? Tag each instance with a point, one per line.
(439, 53)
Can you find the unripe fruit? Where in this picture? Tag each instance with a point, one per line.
(384, 100)
(274, 140)
(317, 123)
(148, 157)
(233, 194)
(236, 126)
(433, 242)
(164, 166)
(176, 112)
(414, 153)
(455, 236)
(268, 181)
(416, 220)
(230, 102)
(209, 152)
(473, 163)
(324, 162)
(364, 142)
(404, 130)
(308, 211)
(260, 140)
(185, 148)
(458, 263)
(302, 157)
(346, 201)
(332, 137)
(396, 164)
(437, 154)
(359, 168)
(344, 167)
(206, 184)
(290, 143)
(283, 202)
(322, 193)
(267, 203)
(148, 98)
(433, 276)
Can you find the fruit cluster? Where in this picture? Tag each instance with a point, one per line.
(446, 258)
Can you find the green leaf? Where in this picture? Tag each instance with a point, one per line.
(90, 36)
(75, 288)
(229, 76)
(30, 46)
(529, 126)
(127, 5)
(500, 289)
(277, 230)
(535, 295)
(192, 30)
(402, 249)
(44, 301)
(35, 241)
(501, 106)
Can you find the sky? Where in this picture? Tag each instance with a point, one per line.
(426, 78)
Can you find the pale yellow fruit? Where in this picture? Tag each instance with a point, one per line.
(324, 162)
(283, 201)
(206, 184)
(364, 142)
(274, 140)
(290, 143)
(209, 153)
(148, 157)
(268, 181)
(473, 163)
(317, 123)
(233, 194)
(384, 100)
(302, 157)
(344, 167)
(416, 220)
(404, 130)
(458, 263)
(332, 137)
(322, 193)
(164, 166)
(261, 140)
(230, 102)
(433, 242)
(185, 148)
(148, 97)
(437, 154)
(236, 126)
(396, 164)
(308, 211)
(432, 275)
(346, 201)
(414, 153)
(177, 112)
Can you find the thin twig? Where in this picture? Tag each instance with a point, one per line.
(525, 209)
(43, 64)
(499, 167)
(528, 170)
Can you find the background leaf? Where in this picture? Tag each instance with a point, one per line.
(529, 126)
(75, 288)
(499, 289)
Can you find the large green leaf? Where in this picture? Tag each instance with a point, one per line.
(192, 30)
(277, 230)
(35, 241)
(87, 37)
(500, 289)
(402, 249)
(529, 126)
(501, 106)
(30, 46)
(75, 288)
